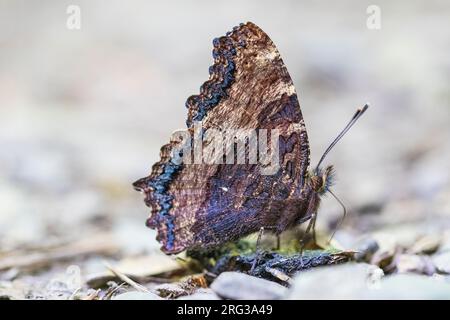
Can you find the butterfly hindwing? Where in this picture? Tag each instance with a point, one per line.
(208, 204)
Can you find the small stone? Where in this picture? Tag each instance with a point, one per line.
(171, 290)
(99, 280)
(366, 249)
(148, 265)
(238, 286)
(411, 263)
(442, 262)
(347, 281)
(426, 245)
(383, 259)
(411, 286)
(185, 287)
(201, 294)
(137, 295)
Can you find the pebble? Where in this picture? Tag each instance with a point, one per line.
(238, 286)
(411, 263)
(136, 295)
(411, 286)
(442, 262)
(201, 294)
(366, 249)
(428, 244)
(347, 281)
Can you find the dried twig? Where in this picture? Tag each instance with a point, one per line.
(111, 292)
(126, 279)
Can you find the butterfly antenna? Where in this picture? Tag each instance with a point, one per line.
(343, 215)
(352, 121)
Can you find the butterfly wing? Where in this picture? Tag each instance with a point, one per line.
(208, 204)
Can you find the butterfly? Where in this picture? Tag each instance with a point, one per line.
(205, 204)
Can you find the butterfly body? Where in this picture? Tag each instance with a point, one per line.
(207, 204)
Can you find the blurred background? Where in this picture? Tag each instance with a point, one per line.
(83, 112)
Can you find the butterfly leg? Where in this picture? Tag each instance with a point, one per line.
(258, 251)
(311, 224)
(277, 235)
(314, 228)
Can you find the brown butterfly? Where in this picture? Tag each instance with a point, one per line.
(206, 204)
